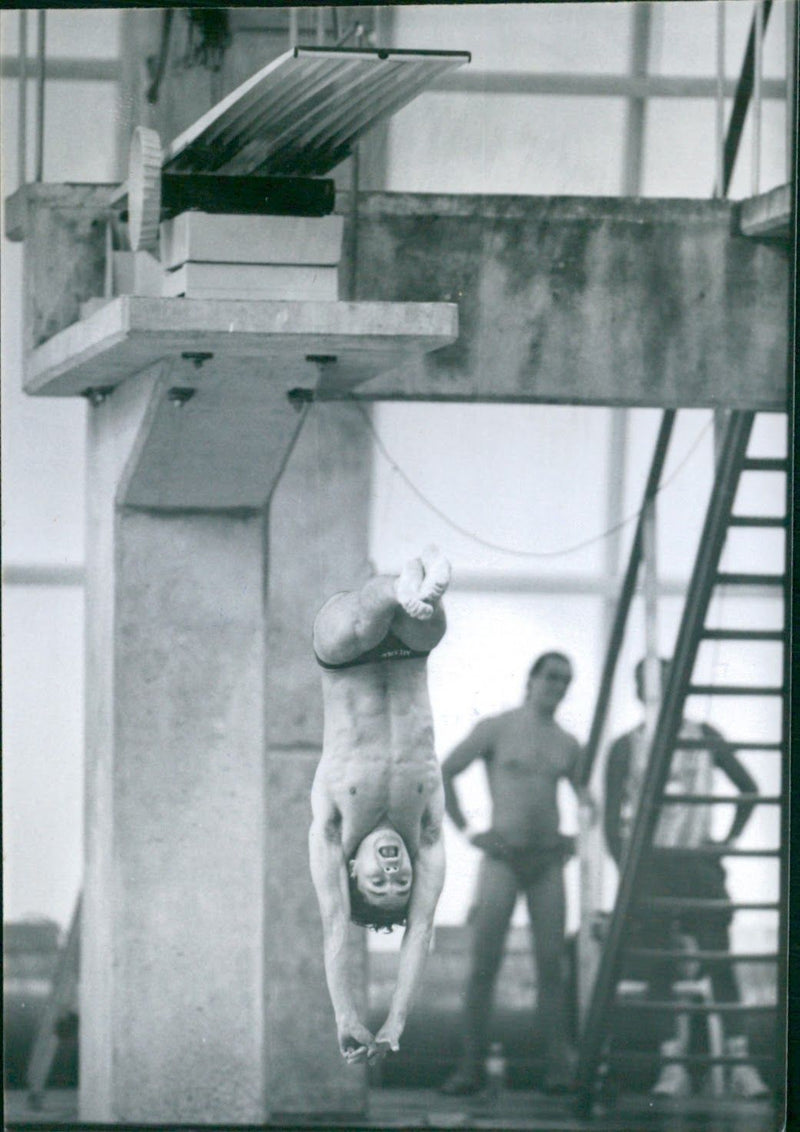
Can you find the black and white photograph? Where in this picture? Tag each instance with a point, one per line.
(397, 479)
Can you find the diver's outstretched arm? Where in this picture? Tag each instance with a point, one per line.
(329, 875)
(429, 869)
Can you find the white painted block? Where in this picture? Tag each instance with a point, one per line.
(222, 238)
(91, 305)
(251, 281)
(137, 273)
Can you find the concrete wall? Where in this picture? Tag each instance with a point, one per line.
(583, 300)
(561, 300)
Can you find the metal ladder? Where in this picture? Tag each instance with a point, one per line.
(606, 1006)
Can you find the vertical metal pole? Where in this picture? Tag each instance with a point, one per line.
(22, 133)
(355, 177)
(652, 673)
(40, 54)
(719, 190)
(721, 417)
(590, 840)
(634, 135)
(791, 47)
(321, 26)
(292, 27)
(758, 68)
(108, 278)
(590, 847)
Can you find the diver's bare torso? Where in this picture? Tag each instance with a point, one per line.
(378, 759)
(375, 841)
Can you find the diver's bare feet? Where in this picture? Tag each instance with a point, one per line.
(407, 590)
(437, 574)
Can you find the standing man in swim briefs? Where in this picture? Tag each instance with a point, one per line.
(526, 752)
(375, 844)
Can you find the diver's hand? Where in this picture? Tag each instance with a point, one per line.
(354, 1040)
(386, 1040)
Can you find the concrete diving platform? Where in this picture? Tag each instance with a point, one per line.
(226, 338)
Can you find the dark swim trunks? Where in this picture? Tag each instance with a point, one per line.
(390, 648)
(528, 865)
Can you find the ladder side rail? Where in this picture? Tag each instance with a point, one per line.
(786, 852)
(710, 548)
(625, 600)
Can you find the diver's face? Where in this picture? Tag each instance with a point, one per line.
(382, 869)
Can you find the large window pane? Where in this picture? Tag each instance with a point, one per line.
(772, 165)
(513, 37)
(537, 145)
(525, 478)
(42, 750)
(685, 38)
(479, 669)
(679, 156)
(91, 34)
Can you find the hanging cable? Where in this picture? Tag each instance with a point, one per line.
(506, 549)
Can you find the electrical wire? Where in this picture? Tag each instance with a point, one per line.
(511, 550)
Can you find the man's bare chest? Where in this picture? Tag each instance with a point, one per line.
(525, 753)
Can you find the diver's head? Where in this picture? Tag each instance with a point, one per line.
(380, 875)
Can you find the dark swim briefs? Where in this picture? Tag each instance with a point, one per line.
(390, 648)
(528, 865)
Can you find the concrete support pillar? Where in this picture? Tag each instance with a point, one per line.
(203, 997)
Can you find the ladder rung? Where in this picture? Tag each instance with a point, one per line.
(765, 464)
(743, 635)
(727, 578)
(734, 690)
(757, 521)
(710, 799)
(702, 956)
(743, 745)
(673, 1007)
(705, 904)
(620, 1056)
(715, 851)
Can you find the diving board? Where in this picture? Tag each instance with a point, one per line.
(301, 115)
(263, 147)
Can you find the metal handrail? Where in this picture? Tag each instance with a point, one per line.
(744, 91)
(625, 600)
(733, 451)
